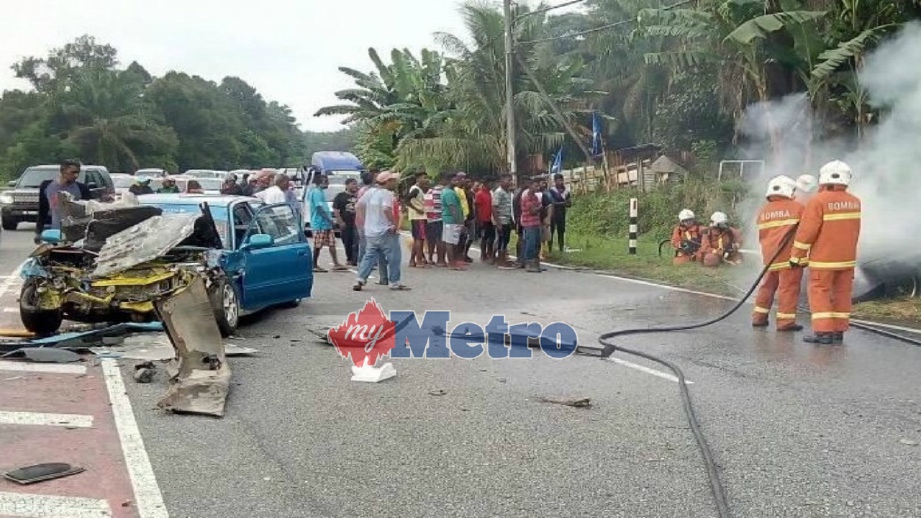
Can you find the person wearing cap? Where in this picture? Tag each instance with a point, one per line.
(376, 210)
(169, 186)
(141, 186)
(230, 185)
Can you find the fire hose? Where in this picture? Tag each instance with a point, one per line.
(608, 348)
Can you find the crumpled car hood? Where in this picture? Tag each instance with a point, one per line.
(143, 242)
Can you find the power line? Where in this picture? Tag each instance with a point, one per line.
(597, 29)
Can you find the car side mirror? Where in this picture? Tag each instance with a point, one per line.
(52, 236)
(256, 241)
(11, 183)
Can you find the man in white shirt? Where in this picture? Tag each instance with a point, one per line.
(276, 193)
(376, 210)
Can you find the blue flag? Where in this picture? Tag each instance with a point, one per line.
(596, 135)
(557, 164)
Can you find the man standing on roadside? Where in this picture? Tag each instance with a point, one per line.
(502, 218)
(344, 211)
(452, 214)
(367, 180)
(531, 224)
(376, 210)
(485, 225)
(48, 200)
(434, 226)
(321, 223)
(415, 205)
(561, 201)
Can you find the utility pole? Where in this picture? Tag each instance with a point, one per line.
(509, 93)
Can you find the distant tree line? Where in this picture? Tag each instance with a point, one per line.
(82, 104)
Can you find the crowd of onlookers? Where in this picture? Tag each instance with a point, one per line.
(446, 215)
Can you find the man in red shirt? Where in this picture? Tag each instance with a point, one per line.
(483, 203)
(531, 225)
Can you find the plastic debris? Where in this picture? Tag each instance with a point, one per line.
(370, 374)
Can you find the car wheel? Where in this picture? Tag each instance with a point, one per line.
(9, 224)
(39, 321)
(291, 304)
(226, 307)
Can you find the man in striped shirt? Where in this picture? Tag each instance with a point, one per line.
(434, 225)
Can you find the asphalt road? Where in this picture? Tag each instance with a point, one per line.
(798, 430)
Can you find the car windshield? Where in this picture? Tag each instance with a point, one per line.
(33, 177)
(219, 214)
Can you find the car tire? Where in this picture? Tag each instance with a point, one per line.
(9, 224)
(40, 322)
(226, 306)
(291, 304)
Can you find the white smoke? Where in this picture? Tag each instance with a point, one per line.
(886, 162)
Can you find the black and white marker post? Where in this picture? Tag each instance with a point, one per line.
(633, 227)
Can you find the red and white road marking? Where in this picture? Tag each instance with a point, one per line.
(73, 413)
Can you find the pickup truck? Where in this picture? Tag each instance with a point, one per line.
(20, 204)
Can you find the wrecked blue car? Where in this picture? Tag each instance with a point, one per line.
(109, 266)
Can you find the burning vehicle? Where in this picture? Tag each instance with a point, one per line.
(113, 262)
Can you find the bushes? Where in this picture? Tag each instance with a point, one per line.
(607, 214)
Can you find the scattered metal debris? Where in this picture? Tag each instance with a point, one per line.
(573, 402)
(42, 472)
(44, 355)
(202, 376)
(439, 392)
(144, 372)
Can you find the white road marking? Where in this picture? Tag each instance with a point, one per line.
(11, 310)
(647, 370)
(9, 281)
(53, 368)
(887, 326)
(22, 505)
(148, 498)
(41, 419)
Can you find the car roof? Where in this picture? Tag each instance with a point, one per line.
(219, 200)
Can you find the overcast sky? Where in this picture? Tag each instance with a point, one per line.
(289, 50)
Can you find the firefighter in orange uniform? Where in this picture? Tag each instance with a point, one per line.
(686, 238)
(828, 234)
(777, 222)
(721, 243)
(805, 188)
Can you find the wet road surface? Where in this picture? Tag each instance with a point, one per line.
(798, 430)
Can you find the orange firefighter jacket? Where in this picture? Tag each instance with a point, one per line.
(829, 230)
(718, 241)
(682, 233)
(778, 217)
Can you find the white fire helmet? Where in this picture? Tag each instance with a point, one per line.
(719, 218)
(806, 183)
(685, 215)
(835, 172)
(781, 186)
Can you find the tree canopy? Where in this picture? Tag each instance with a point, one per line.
(679, 74)
(84, 105)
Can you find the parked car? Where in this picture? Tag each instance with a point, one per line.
(252, 257)
(20, 204)
(205, 173)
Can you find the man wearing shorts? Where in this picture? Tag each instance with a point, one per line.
(321, 223)
(452, 214)
(415, 206)
(434, 225)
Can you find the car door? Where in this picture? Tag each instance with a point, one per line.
(280, 272)
(95, 184)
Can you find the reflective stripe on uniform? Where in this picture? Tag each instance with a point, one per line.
(786, 316)
(801, 246)
(762, 310)
(820, 265)
(841, 216)
(830, 314)
(779, 266)
(778, 223)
